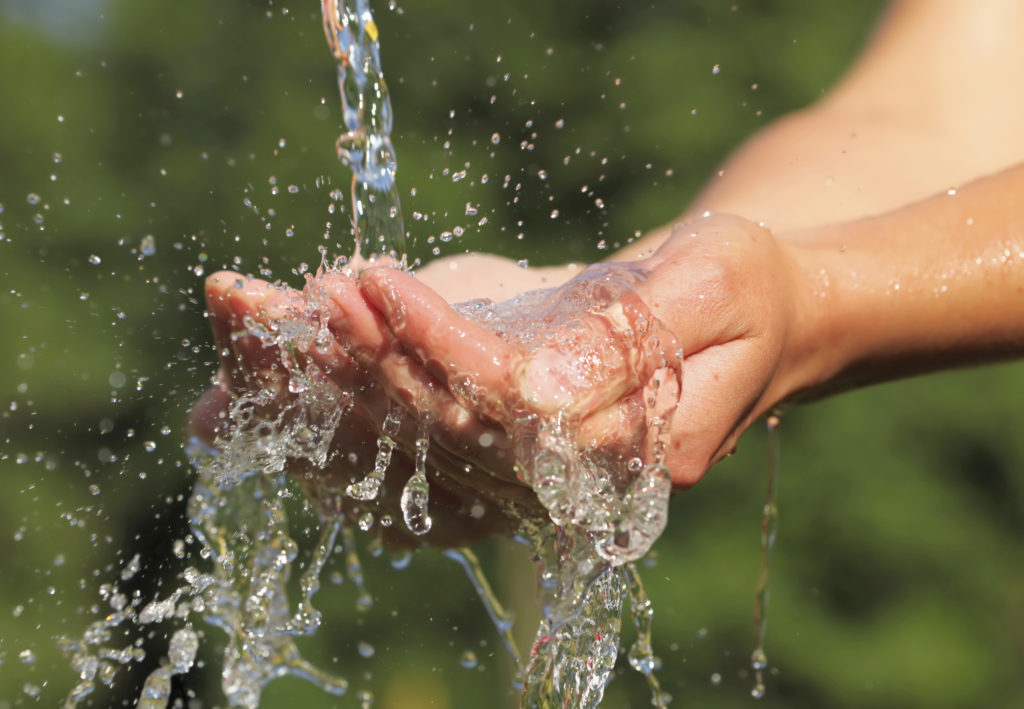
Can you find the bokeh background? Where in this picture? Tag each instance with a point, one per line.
(899, 569)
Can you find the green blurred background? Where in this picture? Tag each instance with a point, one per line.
(899, 570)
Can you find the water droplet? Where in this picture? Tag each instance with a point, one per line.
(182, 651)
(27, 657)
(95, 260)
(131, 568)
(758, 660)
(415, 497)
(495, 139)
(33, 198)
(468, 659)
(147, 247)
(365, 649)
(716, 69)
(401, 559)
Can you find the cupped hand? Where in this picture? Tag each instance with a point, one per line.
(667, 359)
(285, 365)
(718, 301)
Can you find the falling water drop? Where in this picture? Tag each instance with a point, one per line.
(416, 493)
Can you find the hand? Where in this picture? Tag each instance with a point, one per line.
(605, 349)
(283, 363)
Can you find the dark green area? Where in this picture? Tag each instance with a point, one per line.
(899, 567)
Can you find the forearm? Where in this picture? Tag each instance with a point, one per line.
(934, 285)
(926, 107)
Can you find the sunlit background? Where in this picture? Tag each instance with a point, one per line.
(138, 144)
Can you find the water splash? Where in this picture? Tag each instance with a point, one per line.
(369, 487)
(180, 656)
(603, 513)
(239, 520)
(501, 618)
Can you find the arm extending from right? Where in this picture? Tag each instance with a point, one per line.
(765, 321)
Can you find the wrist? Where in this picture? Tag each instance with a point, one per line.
(817, 346)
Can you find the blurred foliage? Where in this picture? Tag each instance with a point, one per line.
(899, 567)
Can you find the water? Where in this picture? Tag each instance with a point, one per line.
(369, 487)
(769, 530)
(365, 147)
(600, 513)
(416, 493)
(599, 516)
(606, 523)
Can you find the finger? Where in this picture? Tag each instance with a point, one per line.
(384, 361)
(617, 431)
(636, 425)
(245, 314)
(208, 417)
(473, 362)
(723, 386)
(335, 342)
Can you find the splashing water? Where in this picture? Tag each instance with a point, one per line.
(600, 514)
(369, 487)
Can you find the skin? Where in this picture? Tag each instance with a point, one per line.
(876, 234)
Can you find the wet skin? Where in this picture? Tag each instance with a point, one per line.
(603, 348)
(462, 512)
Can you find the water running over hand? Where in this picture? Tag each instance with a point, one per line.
(601, 513)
